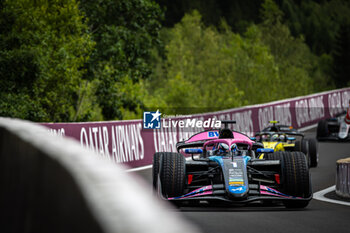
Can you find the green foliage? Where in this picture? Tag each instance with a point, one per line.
(270, 13)
(43, 47)
(320, 23)
(300, 68)
(207, 68)
(238, 13)
(193, 68)
(60, 61)
(125, 33)
(102, 60)
(323, 24)
(341, 55)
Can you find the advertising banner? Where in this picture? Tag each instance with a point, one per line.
(133, 142)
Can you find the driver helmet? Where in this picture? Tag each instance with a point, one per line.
(266, 137)
(223, 148)
(234, 148)
(282, 137)
(275, 137)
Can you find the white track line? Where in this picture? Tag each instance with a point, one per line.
(306, 128)
(140, 168)
(320, 196)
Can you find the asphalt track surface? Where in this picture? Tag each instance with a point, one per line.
(318, 216)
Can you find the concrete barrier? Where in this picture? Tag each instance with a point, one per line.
(342, 187)
(52, 184)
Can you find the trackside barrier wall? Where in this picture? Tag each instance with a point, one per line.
(52, 184)
(128, 143)
(342, 187)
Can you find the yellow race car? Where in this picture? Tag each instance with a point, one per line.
(285, 138)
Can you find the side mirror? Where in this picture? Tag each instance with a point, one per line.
(253, 138)
(193, 151)
(265, 150)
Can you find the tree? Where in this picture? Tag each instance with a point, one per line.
(43, 48)
(125, 33)
(207, 69)
(194, 60)
(341, 55)
(323, 24)
(298, 68)
(238, 14)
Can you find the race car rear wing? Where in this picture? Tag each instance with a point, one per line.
(184, 145)
(287, 133)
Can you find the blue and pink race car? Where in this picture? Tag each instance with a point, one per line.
(225, 169)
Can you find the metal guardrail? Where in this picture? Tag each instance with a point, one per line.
(52, 184)
(342, 187)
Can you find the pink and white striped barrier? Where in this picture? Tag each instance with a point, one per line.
(128, 143)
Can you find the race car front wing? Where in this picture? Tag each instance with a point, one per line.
(217, 192)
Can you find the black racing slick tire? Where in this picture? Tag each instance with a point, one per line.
(313, 152)
(273, 156)
(172, 174)
(322, 129)
(303, 146)
(295, 179)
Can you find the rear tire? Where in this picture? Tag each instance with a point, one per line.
(322, 129)
(172, 174)
(295, 179)
(313, 152)
(273, 156)
(303, 146)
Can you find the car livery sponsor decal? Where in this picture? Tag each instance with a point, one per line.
(213, 134)
(236, 173)
(237, 189)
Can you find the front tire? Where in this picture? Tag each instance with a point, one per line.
(172, 174)
(296, 179)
